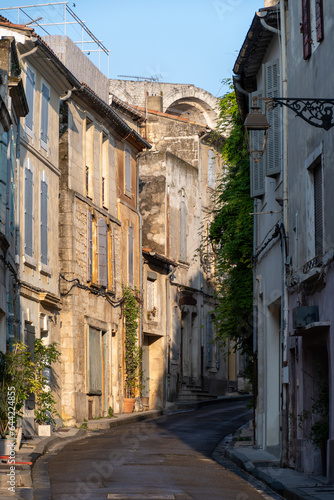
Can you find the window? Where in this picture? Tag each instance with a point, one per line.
(30, 94)
(3, 180)
(130, 255)
(127, 171)
(89, 246)
(312, 26)
(44, 219)
(211, 168)
(28, 209)
(102, 250)
(88, 166)
(183, 232)
(315, 213)
(45, 115)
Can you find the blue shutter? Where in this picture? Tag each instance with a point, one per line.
(28, 212)
(273, 160)
(127, 170)
(130, 256)
(209, 341)
(44, 222)
(183, 232)
(3, 179)
(12, 170)
(45, 113)
(30, 90)
(89, 246)
(102, 245)
(113, 261)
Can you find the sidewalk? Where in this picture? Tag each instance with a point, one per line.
(262, 465)
(32, 449)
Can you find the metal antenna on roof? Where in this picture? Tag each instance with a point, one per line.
(155, 78)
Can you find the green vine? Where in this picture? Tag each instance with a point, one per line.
(231, 234)
(133, 353)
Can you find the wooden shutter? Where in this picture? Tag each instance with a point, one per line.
(306, 29)
(257, 169)
(44, 222)
(130, 255)
(3, 180)
(209, 341)
(89, 246)
(183, 232)
(113, 260)
(102, 245)
(45, 113)
(28, 211)
(30, 90)
(273, 148)
(127, 170)
(94, 375)
(319, 19)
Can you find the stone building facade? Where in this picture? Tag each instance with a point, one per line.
(177, 179)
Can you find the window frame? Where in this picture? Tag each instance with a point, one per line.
(127, 171)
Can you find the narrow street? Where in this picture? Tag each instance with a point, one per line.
(162, 459)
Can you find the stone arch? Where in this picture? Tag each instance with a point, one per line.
(192, 101)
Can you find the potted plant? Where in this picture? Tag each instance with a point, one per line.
(45, 404)
(133, 353)
(16, 375)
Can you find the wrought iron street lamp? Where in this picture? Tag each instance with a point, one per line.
(315, 111)
(256, 121)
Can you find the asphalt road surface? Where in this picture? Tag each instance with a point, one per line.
(168, 458)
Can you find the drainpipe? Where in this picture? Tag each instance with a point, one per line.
(285, 308)
(18, 235)
(140, 261)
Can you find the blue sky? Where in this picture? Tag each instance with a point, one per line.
(182, 41)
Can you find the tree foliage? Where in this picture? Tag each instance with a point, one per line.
(231, 232)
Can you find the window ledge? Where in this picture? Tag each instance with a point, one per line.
(29, 261)
(44, 269)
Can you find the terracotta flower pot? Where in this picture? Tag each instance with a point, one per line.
(128, 405)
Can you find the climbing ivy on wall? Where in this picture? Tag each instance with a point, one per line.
(133, 353)
(231, 232)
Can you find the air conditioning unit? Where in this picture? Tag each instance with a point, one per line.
(305, 315)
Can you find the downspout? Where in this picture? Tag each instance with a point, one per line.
(285, 308)
(140, 261)
(18, 235)
(201, 326)
(32, 51)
